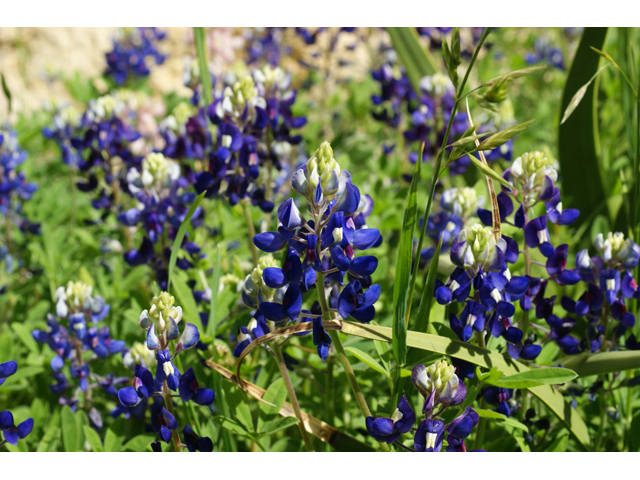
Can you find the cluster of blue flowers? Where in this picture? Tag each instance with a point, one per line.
(76, 304)
(163, 201)
(160, 323)
(441, 388)
(481, 259)
(254, 138)
(102, 139)
(8, 429)
(609, 285)
(319, 249)
(543, 51)
(14, 187)
(132, 49)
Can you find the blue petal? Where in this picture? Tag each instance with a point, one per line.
(190, 337)
(128, 396)
(274, 277)
(153, 343)
(364, 239)
(269, 242)
(364, 266)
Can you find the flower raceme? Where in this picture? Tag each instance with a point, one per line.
(161, 322)
(321, 246)
(440, 387)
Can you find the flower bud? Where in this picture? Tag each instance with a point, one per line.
(322, 168)
(531, 168)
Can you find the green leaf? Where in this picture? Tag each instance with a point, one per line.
(24, 334)
(635, 434)
(368, 360)
(482, 413)
(141, 443)
(426, 301)
(450, 63)
(114, 437)
(70, 430)
(275, 394)
(587, 364)
(186, 300)
(512, 75)
(180, 236)
(403, 270)
(51, 437)
(93, 438)
(417, 62)
(483, 358)
(203, 64)
(577, 139)
(279, 424)
(512, 422)
(537, 376)
(455, 45)
(579, 95)
(231, 425)
(501, 137)
(215, 282)
(489, 172)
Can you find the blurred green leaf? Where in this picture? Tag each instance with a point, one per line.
(577, 139)
(70, 430)
(141, 443)
(417, 62)
(93, 438)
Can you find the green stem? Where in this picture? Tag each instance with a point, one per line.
(348, 370)
(252, 232)
(168, 403)
(292, 395)
(438, 166)
(629, 410)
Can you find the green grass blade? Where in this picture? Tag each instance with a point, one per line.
(578, 154)
(587, 364)
(213, 304)
(180, 236)
(403, 271)
(426, 301)
(205, 77)
(417, 62)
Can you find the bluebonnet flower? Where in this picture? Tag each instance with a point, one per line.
(66, 120)
(14, 187)
(163, 203)
(457, 207)
(440, 387)
(389, 429)
(544, 51)
(196, 443)
(500, 397)
(8, 429)
(160, 322)
(77, 304)
(254, 122)
(132, 49)
(609, 284)
(185, 133)
(325, 245)
(104, 142)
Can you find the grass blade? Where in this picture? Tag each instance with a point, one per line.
(401, 285)
(180, 236)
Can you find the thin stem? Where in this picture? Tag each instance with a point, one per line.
(168, 403)
(436, 176)
(252, 232)
(292, 395)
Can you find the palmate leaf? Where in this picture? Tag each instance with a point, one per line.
(577, 139)
(444, 346)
